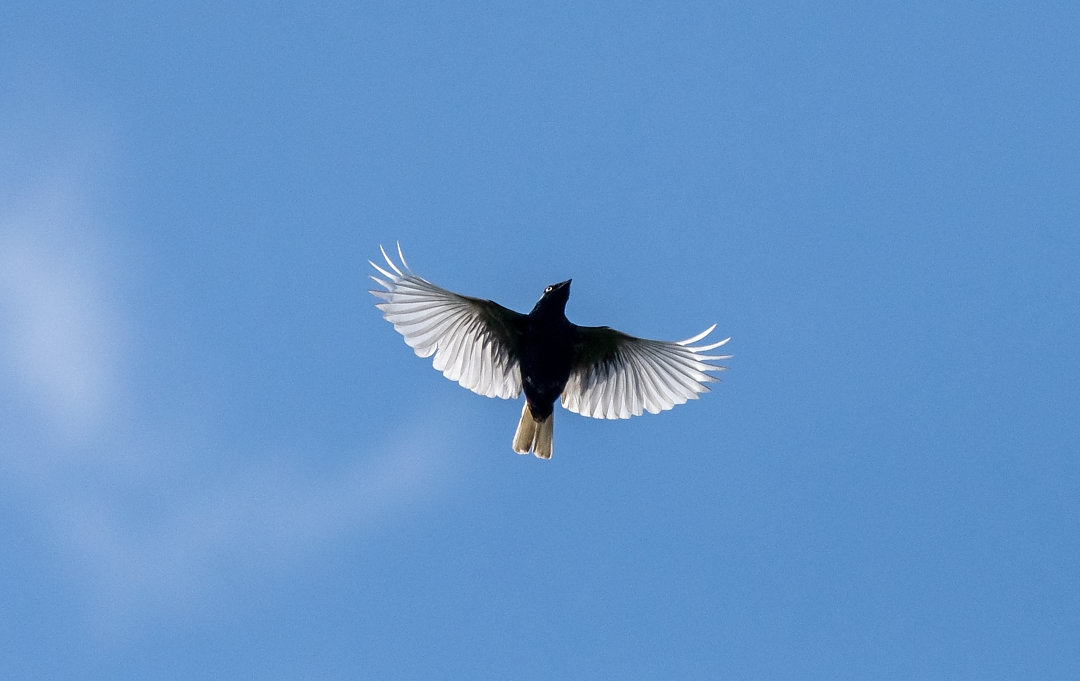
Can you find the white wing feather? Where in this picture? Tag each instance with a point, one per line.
(469, 344)
(634, 375)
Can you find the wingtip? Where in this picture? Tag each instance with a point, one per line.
(383, 272)
(695, 339)
(712, 346)
(389, 262)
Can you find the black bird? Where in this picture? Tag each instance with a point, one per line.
(496, 352)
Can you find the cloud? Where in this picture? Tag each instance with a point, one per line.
(60, 339)
(253, 526)
(141, 531)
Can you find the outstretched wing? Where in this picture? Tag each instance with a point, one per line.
(475, 342)
(616, 376)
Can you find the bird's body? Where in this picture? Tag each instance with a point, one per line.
(494, 351)
(547, 350)
(545, 359)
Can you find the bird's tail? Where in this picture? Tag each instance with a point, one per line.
(535, 436)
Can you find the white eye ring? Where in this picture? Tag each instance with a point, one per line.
(547, 290)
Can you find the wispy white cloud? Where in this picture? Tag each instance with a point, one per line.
(60, 340)
(254, 525)
(64, 343)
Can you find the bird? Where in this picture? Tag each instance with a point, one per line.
(595, 371)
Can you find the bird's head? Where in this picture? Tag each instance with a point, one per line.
(554, 297)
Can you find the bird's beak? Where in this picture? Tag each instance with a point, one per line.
(563, 284)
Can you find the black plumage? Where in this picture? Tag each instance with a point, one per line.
(497, 352)
(546, 350)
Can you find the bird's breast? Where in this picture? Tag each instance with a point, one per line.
(546, 358)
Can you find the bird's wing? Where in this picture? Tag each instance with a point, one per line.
(616, 376)
(475, 342)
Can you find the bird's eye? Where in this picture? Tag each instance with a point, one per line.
(547, 290)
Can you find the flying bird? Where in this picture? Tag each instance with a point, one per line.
(497, 352)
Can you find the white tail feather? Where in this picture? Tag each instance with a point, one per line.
(534, 436)
(526, 431)
(545, 437)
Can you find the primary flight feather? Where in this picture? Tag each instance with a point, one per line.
(497, 352)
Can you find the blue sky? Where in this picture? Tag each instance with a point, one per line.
(218, 461)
